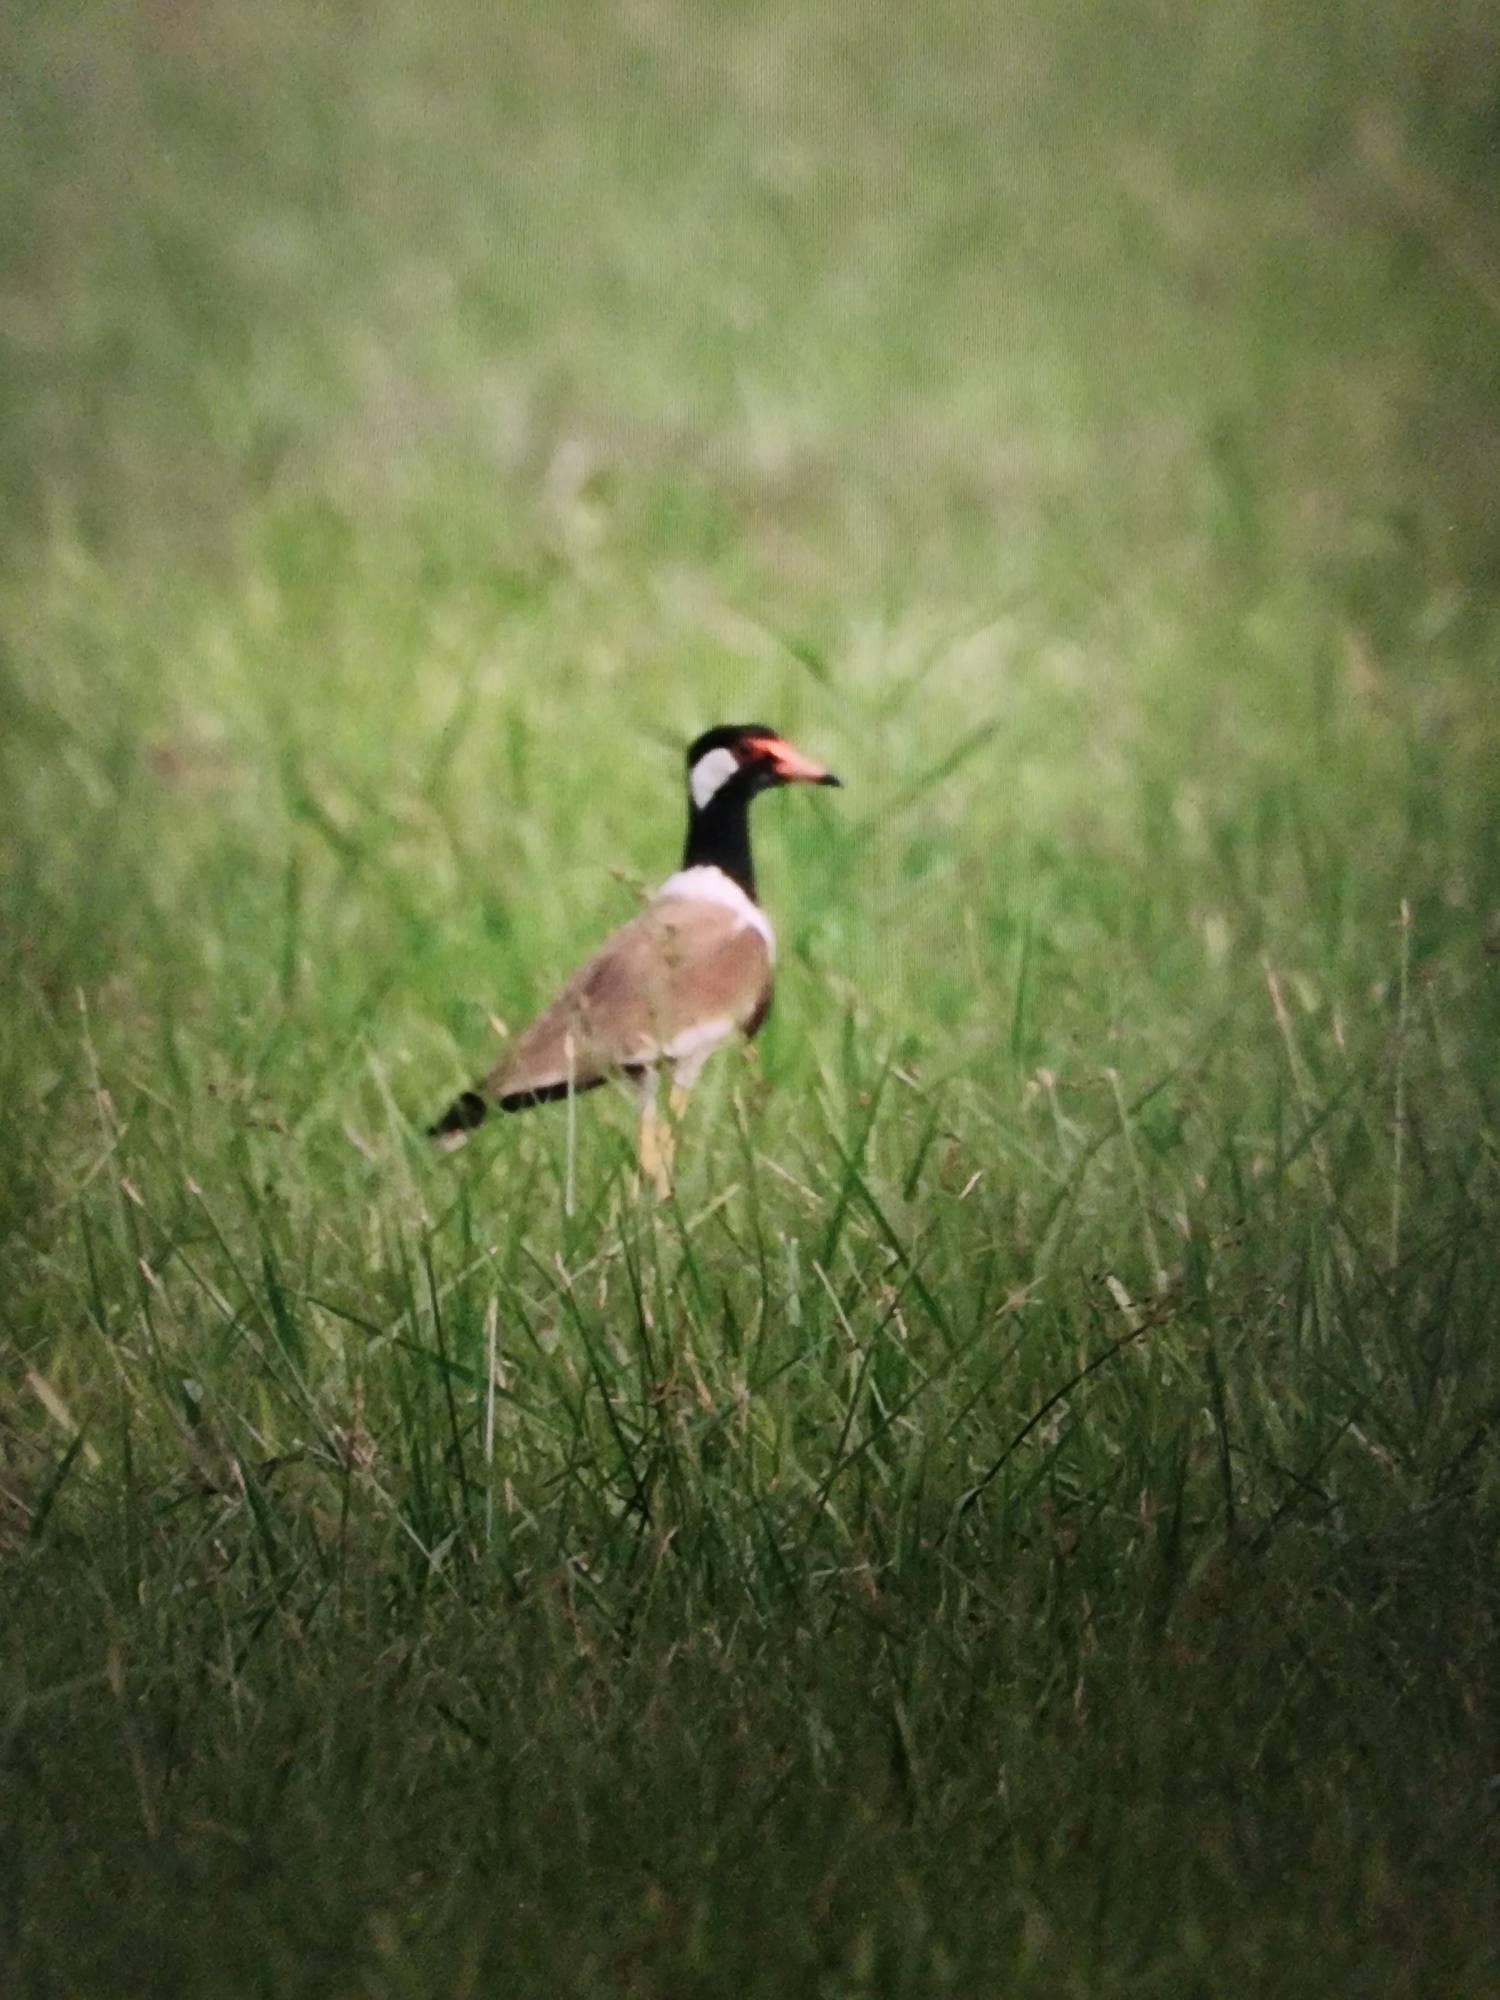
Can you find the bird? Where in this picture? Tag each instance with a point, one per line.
(666, 989)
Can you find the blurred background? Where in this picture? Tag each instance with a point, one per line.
(1078, 423)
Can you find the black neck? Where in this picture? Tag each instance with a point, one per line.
(718, 836)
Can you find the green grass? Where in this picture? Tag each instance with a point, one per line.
(1023, 1520)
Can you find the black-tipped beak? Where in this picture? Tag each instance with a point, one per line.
(789, 764)
(829, 779)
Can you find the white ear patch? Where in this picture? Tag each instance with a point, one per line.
(713, 769)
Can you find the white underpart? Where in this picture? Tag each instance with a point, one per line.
(689, 1051)
(713, 769)
(707, 884)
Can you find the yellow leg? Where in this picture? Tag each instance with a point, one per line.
(654, 1149)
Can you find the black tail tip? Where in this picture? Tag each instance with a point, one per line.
(462, 1115)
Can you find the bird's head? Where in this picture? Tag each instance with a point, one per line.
(750, 757)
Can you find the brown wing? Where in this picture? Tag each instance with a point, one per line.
(680, 965)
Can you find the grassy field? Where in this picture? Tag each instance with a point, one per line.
(1023, 1521)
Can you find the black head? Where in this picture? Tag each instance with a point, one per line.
(749, 757)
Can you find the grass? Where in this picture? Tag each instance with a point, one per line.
(1022, 1520)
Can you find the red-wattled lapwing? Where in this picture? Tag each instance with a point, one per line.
(668, 987)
